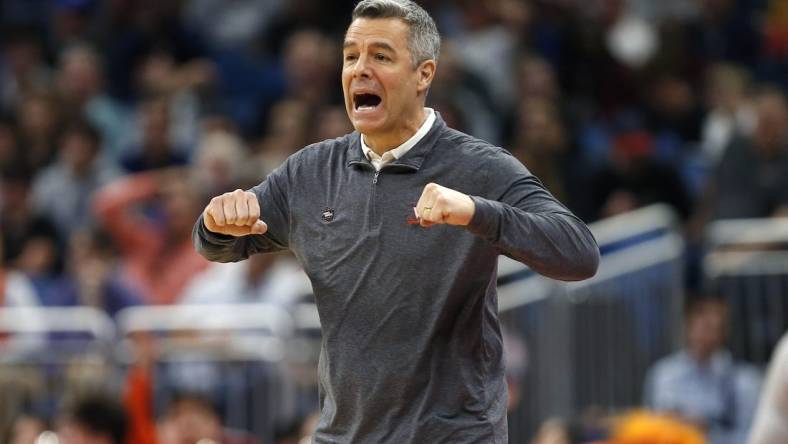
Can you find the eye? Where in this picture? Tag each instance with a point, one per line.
(350, 57)
(381, 57)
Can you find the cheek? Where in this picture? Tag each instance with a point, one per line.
(346, 86)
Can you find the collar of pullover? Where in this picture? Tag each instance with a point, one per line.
(412, 160)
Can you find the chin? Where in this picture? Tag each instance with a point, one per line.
(364, 126)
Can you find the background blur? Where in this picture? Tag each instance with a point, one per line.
(664, 124)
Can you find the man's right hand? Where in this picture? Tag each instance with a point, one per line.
(236, 213)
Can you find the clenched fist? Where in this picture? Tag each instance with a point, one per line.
(441, 205)
(236, 213)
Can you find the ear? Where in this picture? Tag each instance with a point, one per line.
(426, 73)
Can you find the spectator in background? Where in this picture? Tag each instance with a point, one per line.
(39, 120)
(91, 277)
(191, 418)
(771, 420)
(541, 143)
(635, 179)
(80, 85)
(487, 48)
(220, 162)
(23, 70)
(288, 127)
(156, 149)
(751, 180)
(310, 68)
(96, 418)
(467, 93)
(187, 87)
(30, 239)
(702, 383)
(16, 290)
(274, 279)
(673, 114)
(729, 113)
(156, 249)
(63, 190)
(332, 122)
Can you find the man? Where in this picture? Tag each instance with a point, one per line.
(702, 383)
(399, 225)
(95, 418)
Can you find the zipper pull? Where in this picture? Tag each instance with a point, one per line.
(375, 179)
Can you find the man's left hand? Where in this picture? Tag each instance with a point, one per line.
(441, 205)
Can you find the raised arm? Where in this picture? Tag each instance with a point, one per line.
(520, 218)
(240, 223)
(114, 207)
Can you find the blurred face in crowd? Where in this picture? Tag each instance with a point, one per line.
(384, 93)
(190, 422)
(541, 132)
(726, 87)
(37, 115)
(332, 122)
(536, 79)
(80, 74)
(307, 58)
(156, 126)
(771, 134)
(74, 433)
(706, 329)
(78, 151)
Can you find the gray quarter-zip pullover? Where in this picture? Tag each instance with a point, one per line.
(412, 350)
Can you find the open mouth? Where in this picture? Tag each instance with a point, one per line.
(366, 101)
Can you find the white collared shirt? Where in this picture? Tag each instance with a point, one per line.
(396, 153)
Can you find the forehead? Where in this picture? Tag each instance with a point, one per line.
(370, 32)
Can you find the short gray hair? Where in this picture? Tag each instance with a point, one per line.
(424, 40)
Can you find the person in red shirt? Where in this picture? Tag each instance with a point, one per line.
(158, 256)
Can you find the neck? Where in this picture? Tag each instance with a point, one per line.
(380, 143)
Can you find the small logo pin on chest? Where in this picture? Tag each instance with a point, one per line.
(327, 215)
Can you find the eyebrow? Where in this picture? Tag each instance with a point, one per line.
(381, 45)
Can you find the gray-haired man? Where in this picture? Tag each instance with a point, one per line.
(411, 340)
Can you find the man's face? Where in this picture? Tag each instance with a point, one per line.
(382, 88)
(706, 330)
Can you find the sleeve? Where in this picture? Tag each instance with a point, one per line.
(274, 211)
(525, 222)
(771, 418)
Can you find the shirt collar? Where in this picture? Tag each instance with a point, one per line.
(400, 151)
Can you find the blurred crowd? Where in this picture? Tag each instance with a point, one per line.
(120, 119)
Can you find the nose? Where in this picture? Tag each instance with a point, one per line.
(361, 68)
